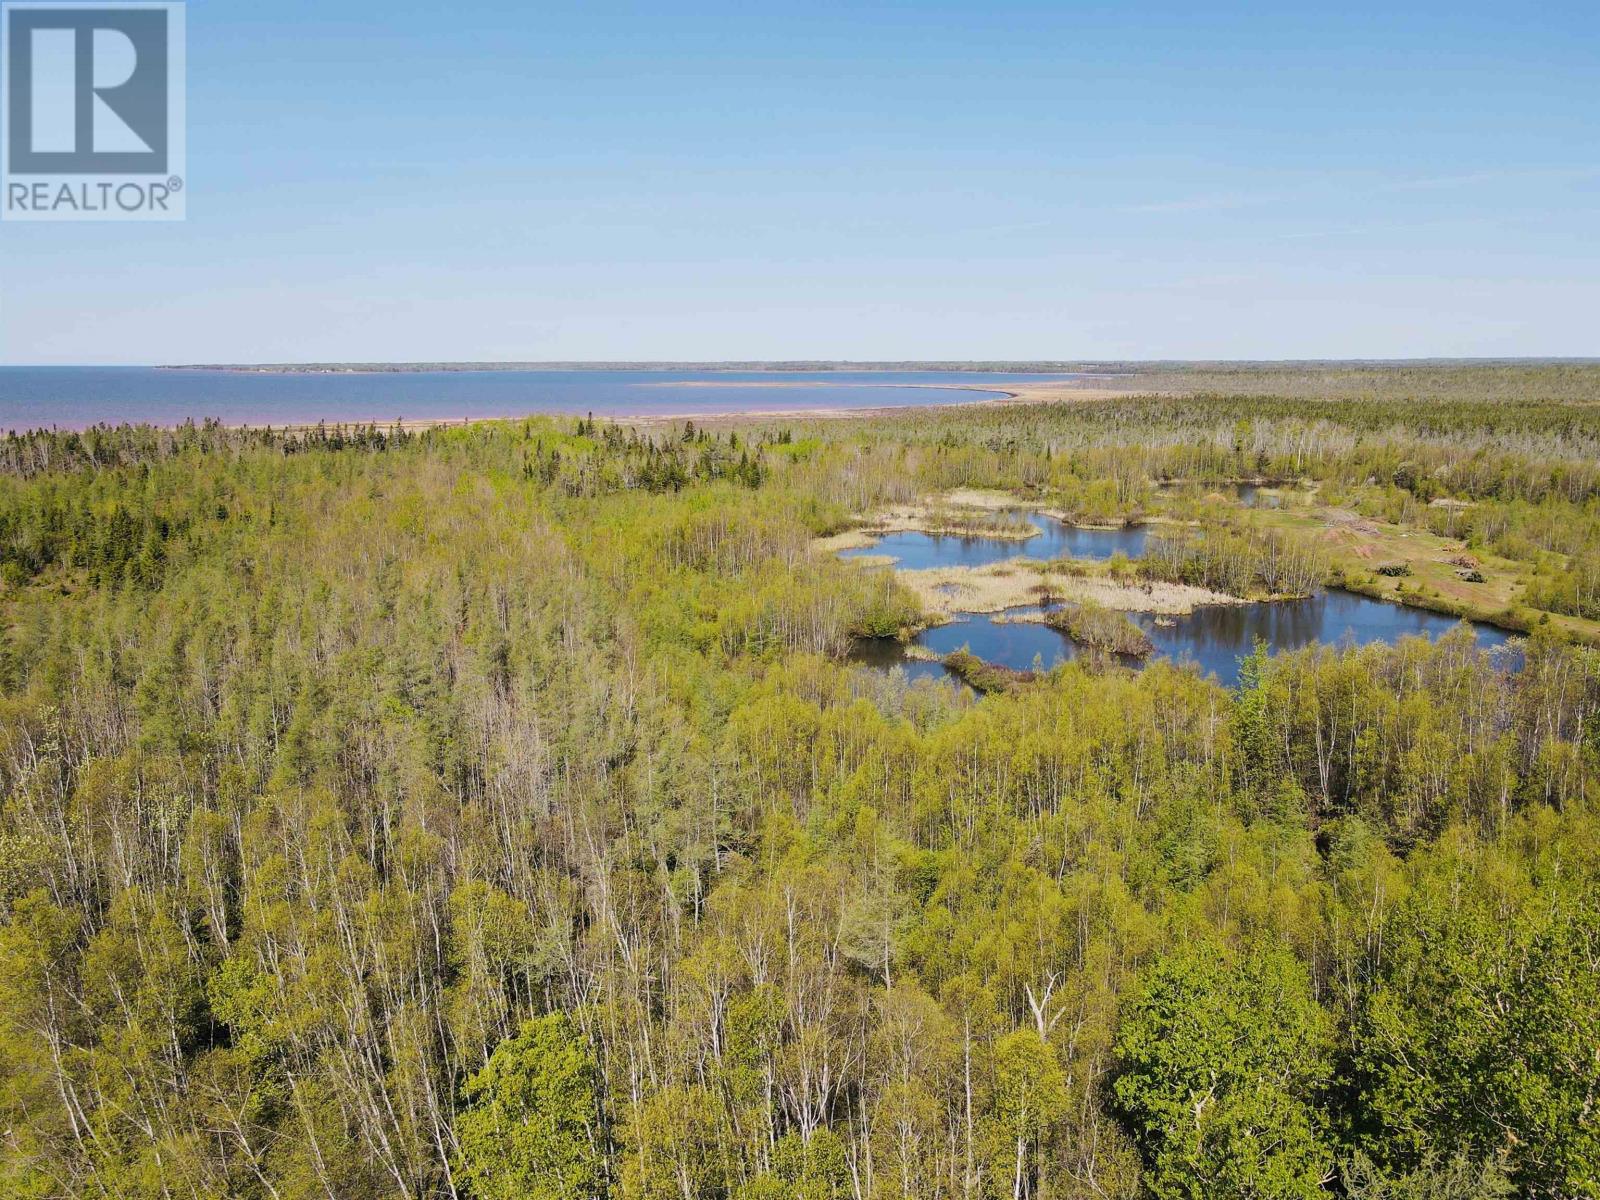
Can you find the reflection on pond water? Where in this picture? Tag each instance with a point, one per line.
(886, 654)
(1052, 539)
(1217, 638)
(1252, 496)
(1214, 639)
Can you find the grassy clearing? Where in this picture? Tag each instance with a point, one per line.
(1436, 571)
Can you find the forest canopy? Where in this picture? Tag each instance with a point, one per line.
(496, 811)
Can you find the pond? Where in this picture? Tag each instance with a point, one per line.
(1050, 539)
(1215, 639)
(1252, 496)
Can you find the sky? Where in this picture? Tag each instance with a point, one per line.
(384, 180)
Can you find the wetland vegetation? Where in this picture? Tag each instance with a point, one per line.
(506, 810)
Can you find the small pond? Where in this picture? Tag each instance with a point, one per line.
(1051, 539)
(1251, 495)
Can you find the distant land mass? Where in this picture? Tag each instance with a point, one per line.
(1497, 380)
(996, 366)
(746, 367)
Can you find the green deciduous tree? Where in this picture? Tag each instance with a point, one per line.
(531, 1128)
(1222, 1065)
(1483, 1036)
(1030, 1099)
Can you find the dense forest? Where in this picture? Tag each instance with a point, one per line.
(496, 812)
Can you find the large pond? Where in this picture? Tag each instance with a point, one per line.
(1215, 639)
(1050, 539)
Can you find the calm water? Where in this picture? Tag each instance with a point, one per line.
(1052, 539)
(886, 654)
(76, 397)
(1215, 639)
(1252, 496)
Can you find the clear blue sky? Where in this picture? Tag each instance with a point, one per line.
(494, 179)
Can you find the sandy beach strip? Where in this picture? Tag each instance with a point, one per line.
(992, 395)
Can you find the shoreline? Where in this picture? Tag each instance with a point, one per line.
(417, 424)
(992, 396)
(730, 366)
